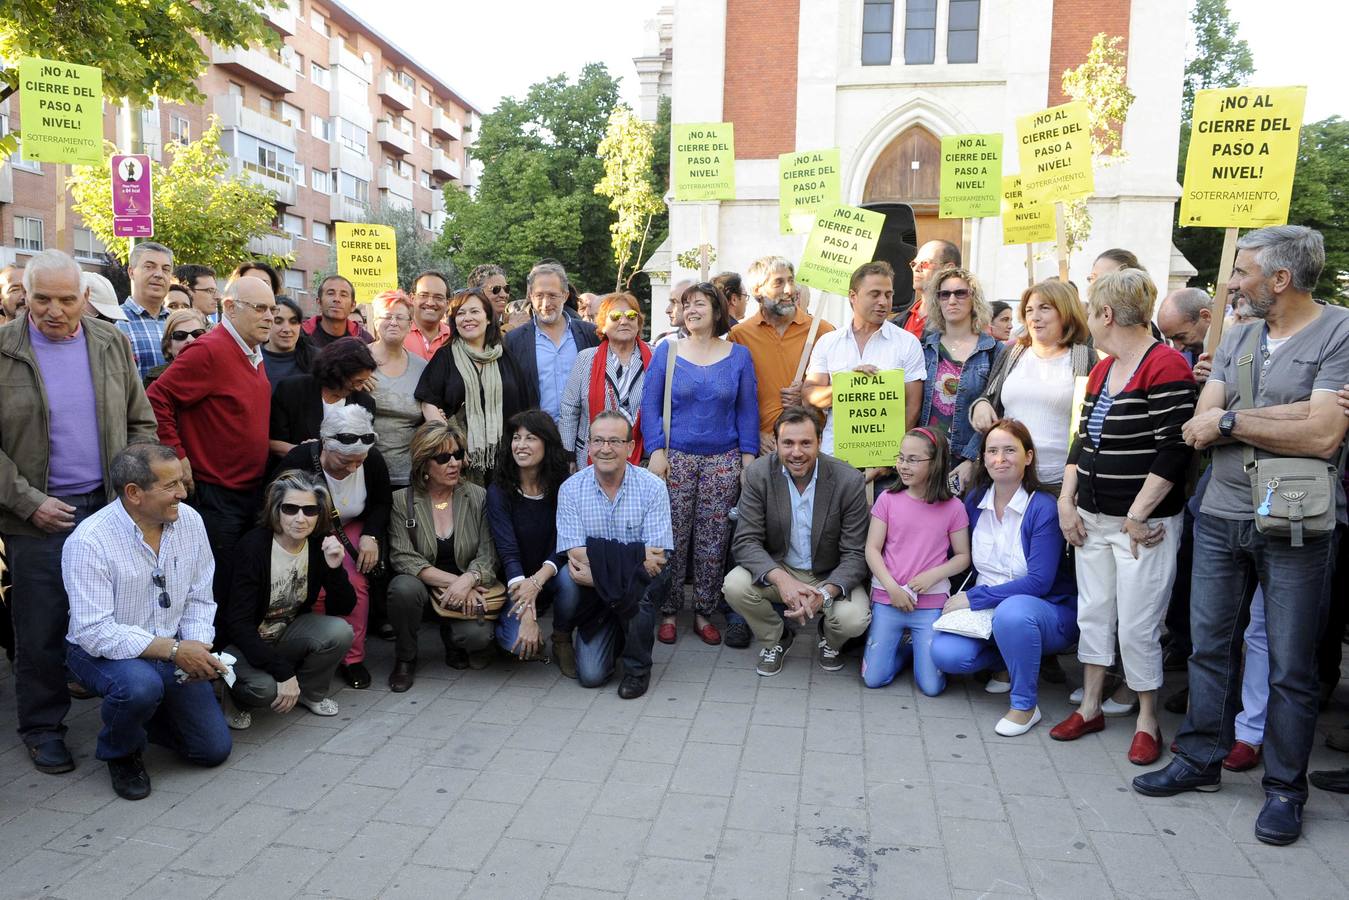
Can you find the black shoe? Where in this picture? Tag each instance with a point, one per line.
(737, 636)
(1052, 671)
(355, 675)
(1178, 702)
(1333, 780)
(1280, 820)
(1176, 659)
(52, 757)
(78, 691)
(633, 686)
(385, 632)
(481, 659)
(403, 675)
(1176, 778)
(129, 778)
(456, 658)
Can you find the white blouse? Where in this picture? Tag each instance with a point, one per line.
(998, 554)
(1039, 393)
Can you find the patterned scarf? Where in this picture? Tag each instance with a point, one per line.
(482, 401)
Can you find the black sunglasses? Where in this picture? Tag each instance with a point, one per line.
(157, 576)
(349, 438)
(442, 458)
(184, 335)
(310, 510)
(500, 289)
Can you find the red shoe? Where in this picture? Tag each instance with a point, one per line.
(709, 634)
(1146, 749)
(1242, 756)
(666, 633)
(1175, 748)
(1073, 727)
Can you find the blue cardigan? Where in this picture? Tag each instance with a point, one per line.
(715, 408)
(1049, 569)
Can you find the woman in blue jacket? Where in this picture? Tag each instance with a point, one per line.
(1022, 573)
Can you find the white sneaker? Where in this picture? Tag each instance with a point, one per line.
(1075, 696)
(831, 660)
(995, 686)
(1007, 728)
(325, 707)
(1113, 709)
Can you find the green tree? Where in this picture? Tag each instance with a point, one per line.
(1101, 82)
(205, 215)
(537, 195)
(145, 48)
(1221, 60)
(417, 252)
(627, 151)
(1320, 199)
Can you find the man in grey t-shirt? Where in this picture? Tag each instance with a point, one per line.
(1302, 362)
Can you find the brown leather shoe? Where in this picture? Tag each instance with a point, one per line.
(403, 675)
(565, 654)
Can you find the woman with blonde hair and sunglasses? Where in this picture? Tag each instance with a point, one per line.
(609, 376)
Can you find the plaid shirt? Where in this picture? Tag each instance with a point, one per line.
(640, 511)
(146, 333)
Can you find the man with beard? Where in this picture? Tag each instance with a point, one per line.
(150, 269)
(337, 299)
(545, 348)
(776, 338)
(431, 296)
(1298, 353)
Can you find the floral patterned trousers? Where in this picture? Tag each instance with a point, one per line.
(702, 491)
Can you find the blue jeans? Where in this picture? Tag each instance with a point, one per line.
(886, 652)
(1232, 559)
(1250, 724)
(613, 639)
(508, 626)
(1025, 628)
(142, 700)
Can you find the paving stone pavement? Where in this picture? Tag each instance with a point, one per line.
(516, 783)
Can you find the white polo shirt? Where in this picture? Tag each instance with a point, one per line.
(890, 348)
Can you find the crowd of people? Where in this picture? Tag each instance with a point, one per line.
(198, 482)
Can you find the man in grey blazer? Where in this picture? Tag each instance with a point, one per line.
(800, 543)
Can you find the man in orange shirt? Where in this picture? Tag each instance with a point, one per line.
(775, 337)
(430, 293)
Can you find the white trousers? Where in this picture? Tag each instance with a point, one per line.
(1114, 590)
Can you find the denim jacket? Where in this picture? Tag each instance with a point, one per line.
(973, 378)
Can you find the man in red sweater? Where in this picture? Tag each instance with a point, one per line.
(213, 406)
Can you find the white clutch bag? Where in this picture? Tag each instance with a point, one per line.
(972, 623)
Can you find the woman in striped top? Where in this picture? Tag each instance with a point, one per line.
(1123, 495)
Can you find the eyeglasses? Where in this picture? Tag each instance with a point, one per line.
(423, 295)
(310, 510)
(916, 265)
(615, 315)
(609, 442)
(262, 309)
(347, 437)
(557, 298)
(499, 289)
(441, 459)
(184, 335)
(958, 293)
(207, 290)
(157, 576)
(913, 460)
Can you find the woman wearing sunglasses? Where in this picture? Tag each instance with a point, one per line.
(357, 479)
(609, 376)
(340, 376)
(285, 652)
(182, 327)
(442, 555)
(959, 357)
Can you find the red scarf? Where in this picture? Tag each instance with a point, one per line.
(603, 396)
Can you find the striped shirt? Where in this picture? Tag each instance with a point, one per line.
(1139, 434)
(146, 333)
(110, 573)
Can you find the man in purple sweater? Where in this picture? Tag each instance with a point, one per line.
(72, 400)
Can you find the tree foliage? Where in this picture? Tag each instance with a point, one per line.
(536, 197)
(417, 252)
(1101, 82)
(1321, 199)
(627, 152)
(201, 212)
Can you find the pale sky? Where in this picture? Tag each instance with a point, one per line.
(498, 48)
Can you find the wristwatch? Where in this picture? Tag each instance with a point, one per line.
(828, 597)
(1227, 423)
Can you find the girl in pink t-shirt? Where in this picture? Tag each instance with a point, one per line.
(919, 540)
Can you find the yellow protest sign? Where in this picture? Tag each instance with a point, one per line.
(843, 238)
(367, 255)
(808, 181)
(703, 159)
(1079, 400)
(868, 417)
(1024, 222)
(61, 112)
(1055, 150)
(1243, 151)
(971, 176)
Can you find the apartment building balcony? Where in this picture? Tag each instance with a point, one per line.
(343, 157)
(391, 200)
(345, 209)
(283, 17)
(442, 164)
(437, 200)
(388, 134)
(389, 180)
(281, 184)
(233, 114)
(445, 125)
(258, 65)
(272, 245)
(6, 183)
(394, 93)
(349, 108)
(341, 54)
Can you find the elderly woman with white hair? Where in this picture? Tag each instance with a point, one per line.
(1122, 502)
(358, 482)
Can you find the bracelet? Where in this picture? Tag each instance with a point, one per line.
(173, 653)
(1133, 518)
